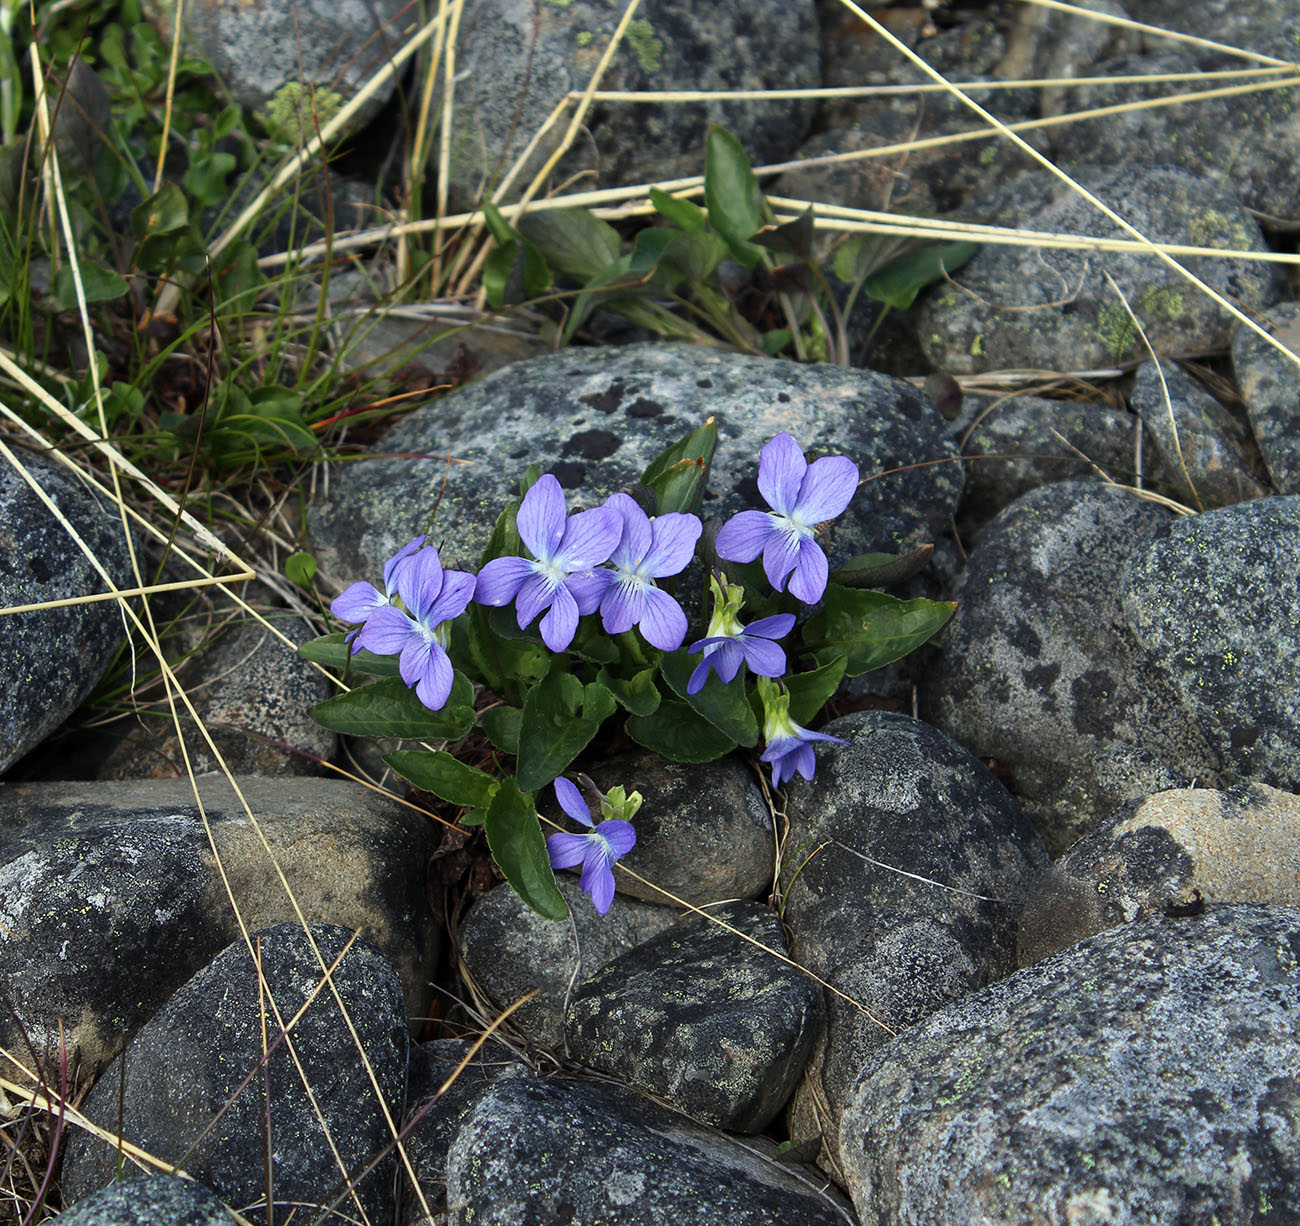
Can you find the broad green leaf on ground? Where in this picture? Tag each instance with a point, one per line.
(515, 839)
(444, 776)
(98, 282)
(679, 733)
(638, 696)
(388, 708)
(574, 242)
(871, 629)
(809, 692)
(686, 215)
(881, 569)
(725, 706)
(332, 651)
(731, 195)
(899, 283)
(501, 725)
(561, 715)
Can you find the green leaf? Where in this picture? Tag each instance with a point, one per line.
(165, 212)
(686, 215)
(731, 195)
(561, 715)
(98, 282)
(648, 248)
(679, 474)
(697, 256)
(501, 725)
(332, 651)
(238, 276)
(881, 569)
(574, 242)
(497, 268)
(809, 692)
(871, 629)
(500, 229)
(899, 283)
(725, 706)
(446, 777)
(205, 179)
(389, 708)
(638, 696)
(679, 733)
(793, 238)
(300, 568)
(515, 839)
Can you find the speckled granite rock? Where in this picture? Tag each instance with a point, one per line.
(1054, 310)
(532, 1153)
(1145, 1077)
(717, 810)
(1016, 441)
(702, 1018)
(1238, 23)
(1038, 668)
(150, 1200)
(110, 897)
(1202, 445)
(1267, 379)
(1170, 854)
(316, 54)
(194, 1056)
(516, 61)
(507, 950)
(52, 658)
(1212, 604)
(596, 417)
(253, 694)
(903, 892)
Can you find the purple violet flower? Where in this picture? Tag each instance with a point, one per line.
(647, 550)
(728, 644)
(596, 850)
(357, 602)
(789, 746)
(432, 597)
(561, 579)
(801, 496)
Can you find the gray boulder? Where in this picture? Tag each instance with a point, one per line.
(1267, 379)
(905, 867)
(111, 898)
(702, 1017)
(1038, 668)
(1017, 307)
(1212, 606)
(1145, 1077)
(213, 1069)
(532, 1153)
(596, 417)
(150, 1200)
(52, 658)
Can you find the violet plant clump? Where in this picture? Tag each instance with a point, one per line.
(596, 635)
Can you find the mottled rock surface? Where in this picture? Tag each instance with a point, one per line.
(903, 894)
(1145, 1077)
(534, 1152)
(1212, 604)
(194, 1056)
(150, 1200)
(596, 417)
(1170, 854)
(110, 897)
(508, 950)
(703, 1018)
(52, 658)
(1267, 378)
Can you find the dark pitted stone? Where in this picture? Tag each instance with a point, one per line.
(1170, 854)
(516, 61)
(150, 1200)
(903, 894)
(1267, 379)
(507, 949)
(314, 54)
(1202, 445)
(110, 898)
(1238, 23)
(1212, 603)
(1018, 307)
(1024, 442)
(596, 417)
(193, 1057)
(701, 1017)
(717, 810)
(1038, 668)
(533, 1153)
(1146, 1077)
(52, 658)
(254, 695)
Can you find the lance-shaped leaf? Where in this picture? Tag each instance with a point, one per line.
(871, 629)
(679, 474)
(333, 651)
(574, 242)
(443, 776)
(736, 208)
(515, 839)
(809, 692)
(899, 283)
(389, 708)
(679, 733)
(561, 715)
(882, 569)
(686, 215)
